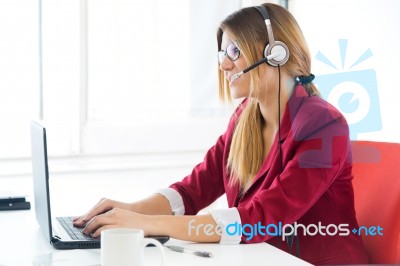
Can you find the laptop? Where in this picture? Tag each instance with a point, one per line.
(59, 231)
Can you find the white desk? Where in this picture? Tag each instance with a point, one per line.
(22, 242)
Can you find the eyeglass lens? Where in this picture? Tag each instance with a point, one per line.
(232, 52)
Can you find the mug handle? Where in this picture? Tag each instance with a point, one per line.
(156, 243)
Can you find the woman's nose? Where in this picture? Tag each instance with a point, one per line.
(226, 64)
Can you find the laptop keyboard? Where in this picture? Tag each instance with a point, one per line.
(74, 233)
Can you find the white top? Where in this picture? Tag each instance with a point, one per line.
(222, 217)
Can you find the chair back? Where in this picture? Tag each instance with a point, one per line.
(376, 170)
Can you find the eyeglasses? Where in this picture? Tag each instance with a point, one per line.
(232, 52)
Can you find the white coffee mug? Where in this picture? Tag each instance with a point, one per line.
(124, 247)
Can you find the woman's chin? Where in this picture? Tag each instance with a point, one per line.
(237, 93)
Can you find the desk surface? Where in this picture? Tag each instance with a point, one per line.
(22, 242)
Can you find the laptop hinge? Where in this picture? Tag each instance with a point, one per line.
(55, 239)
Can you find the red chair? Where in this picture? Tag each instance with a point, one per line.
(376, 169)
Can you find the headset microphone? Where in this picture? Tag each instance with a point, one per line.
(264, 60)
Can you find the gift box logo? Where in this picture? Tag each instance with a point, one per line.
(354, 93)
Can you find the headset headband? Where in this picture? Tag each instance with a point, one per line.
(263, 11)
(273, 47)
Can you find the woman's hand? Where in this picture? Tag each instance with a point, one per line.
(103, 206)
(167, 225)
(117, 218)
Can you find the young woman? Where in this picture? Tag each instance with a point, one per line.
(283, 162)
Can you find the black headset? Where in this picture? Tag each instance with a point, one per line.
(273, 46)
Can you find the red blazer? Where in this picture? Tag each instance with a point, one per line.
(314, 186)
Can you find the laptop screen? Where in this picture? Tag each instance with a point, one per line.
(40, 178)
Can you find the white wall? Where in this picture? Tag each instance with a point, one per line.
(358, 26)
(19, 74)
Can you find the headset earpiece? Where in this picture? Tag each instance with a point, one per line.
(273, 46)
(277, 47)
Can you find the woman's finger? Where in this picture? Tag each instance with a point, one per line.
(102, 206)
(96, 222)
(98, 231)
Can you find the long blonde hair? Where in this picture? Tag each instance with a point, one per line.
(248, 29)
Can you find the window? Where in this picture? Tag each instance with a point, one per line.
(111, 77)
(138, 79)
(118, 76)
